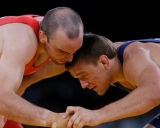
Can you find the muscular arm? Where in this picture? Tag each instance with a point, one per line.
(145, 74)
(49, 70)
(18, 49)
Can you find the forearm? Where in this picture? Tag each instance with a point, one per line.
(47, 71)
(15, 108)
(26, 82)
(136, 103)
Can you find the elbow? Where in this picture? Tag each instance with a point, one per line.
(154, 96)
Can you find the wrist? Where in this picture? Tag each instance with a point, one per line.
(51, 118)
(99, 115)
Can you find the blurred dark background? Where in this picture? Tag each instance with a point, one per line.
(116, 20)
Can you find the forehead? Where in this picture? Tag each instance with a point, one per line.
(61, 41)
(81, 68)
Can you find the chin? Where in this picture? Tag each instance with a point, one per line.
(59, 63)
(100, 93)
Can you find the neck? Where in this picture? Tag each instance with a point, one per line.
(117, 70)
(40, 49)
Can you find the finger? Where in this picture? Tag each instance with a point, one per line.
(64, 119)
(54, 125)
(69, 111)
(81, 124)
(77, 122)
(71, 120)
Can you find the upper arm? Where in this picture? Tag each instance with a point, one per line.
(142, 71)
(140, 68)
(17, 51)
(49, 70)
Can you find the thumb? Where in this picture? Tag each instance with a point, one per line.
(54, 125)
(69, 111)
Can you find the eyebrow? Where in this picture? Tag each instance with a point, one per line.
(59, 49)
(63, 51)
(78, 74)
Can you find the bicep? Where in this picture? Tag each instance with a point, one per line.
(52, 69)
(143, 70)
(143, 73)
(49, 70)
(16, 53)
(10, 75)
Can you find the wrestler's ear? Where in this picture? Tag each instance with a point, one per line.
(42, 37)
(104, 60)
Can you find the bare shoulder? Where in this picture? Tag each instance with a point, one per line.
(137, 58)
(17, 29)
(149, 48)
(19, 39)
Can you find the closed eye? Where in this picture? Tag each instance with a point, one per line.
(83, 76)
(62, 52)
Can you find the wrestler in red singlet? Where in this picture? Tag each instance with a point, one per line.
(34, 24)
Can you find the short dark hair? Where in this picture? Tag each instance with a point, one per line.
(64, 18)
(92, 48)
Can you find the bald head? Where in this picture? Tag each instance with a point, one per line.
(63, 18)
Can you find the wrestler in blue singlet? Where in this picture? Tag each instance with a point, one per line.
(123, 46)
(156, 120)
